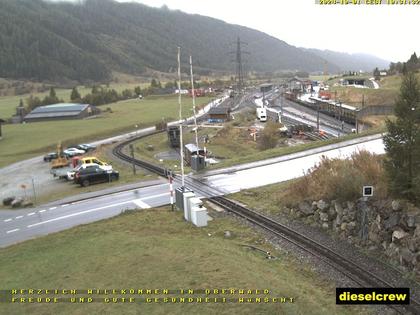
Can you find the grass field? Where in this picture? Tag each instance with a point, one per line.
(386, 94)
(157, 249)
(22, 141)
(8, 104)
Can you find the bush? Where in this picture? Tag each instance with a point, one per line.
(269, 136)
(341, 179)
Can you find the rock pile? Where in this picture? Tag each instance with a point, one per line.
(391, 226)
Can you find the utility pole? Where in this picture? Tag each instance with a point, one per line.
(181, 142)
(193, 99)
(317, 117)
(33, 188)
(132, 161)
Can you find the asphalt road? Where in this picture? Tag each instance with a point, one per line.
(17, 226)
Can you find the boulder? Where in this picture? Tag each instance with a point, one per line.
(323, 216)
(392, 221)
(413, 244)
(416, 260)
(27, 203)
(16, 203)
(399, 235)
(343, 226)
(351, 225)
(322, 205)
(374, 237)
(417, 231)
(396, 205)
(228, 234)
(332, 213)
(338, 220)
(8, 201)
(392, 250)
(411, 219)
(350, 205)
(314, 205)
(338, 208)
(306, 208)
(406, 257)
(325, 225)
(316, 216)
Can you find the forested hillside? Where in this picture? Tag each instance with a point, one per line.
(351, 62)
(51, 41)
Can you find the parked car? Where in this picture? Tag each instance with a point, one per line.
(90, 160)
(94, 175)
(50, 156)
(70, 152)
(71, 173)
(86, 147)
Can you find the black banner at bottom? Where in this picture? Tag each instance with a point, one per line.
(372, 296)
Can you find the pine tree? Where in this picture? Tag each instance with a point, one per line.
(75, 95)
(402, 143)
(137, 90)
(53, 95)
(376, 73)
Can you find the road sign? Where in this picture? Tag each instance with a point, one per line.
(367, 191)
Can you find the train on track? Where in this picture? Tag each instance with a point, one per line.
(338, 110)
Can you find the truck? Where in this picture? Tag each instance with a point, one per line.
(262, 114)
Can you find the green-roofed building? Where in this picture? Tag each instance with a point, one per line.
(61, 111)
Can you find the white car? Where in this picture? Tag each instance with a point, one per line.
(70, 174)
(73, 152)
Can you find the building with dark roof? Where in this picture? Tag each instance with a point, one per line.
(61, 111)
(266, 87)
(219, 114)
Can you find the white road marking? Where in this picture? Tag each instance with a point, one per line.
(64, 205)
(32, 213)
(78, 213)
(19, 217)
(40, 211)
(141, 204)
(53, 208)
(11, 231)
(7, 220)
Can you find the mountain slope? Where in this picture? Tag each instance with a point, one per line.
(352, 62)
(52, 41)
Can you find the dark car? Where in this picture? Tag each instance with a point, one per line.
(50, 156)
(94, 175)
(86, 147)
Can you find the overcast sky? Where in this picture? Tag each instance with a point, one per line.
(387, 31)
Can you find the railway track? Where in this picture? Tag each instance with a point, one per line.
(347, 267)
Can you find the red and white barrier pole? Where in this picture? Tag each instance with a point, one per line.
(171, 189)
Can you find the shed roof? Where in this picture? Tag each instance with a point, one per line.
(61, 107)
(219, 111)
(192, 147)
(57, 110)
